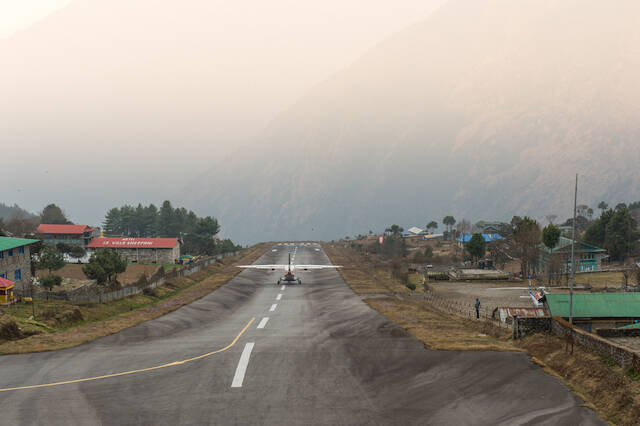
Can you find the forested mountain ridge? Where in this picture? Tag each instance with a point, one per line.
(7, 212)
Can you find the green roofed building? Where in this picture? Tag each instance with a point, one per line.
(596, 310)
(630, 326)
(588, 257)
(15, 260)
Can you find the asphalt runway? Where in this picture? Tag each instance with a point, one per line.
(321, 357)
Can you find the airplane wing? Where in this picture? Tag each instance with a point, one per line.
(309, 267)
(286, 267)
(271, 267)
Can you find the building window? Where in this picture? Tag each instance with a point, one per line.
(10, 252)
(1, 255)
(18, 274)
(21, 250)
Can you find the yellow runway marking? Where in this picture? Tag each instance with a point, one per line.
(142, 370)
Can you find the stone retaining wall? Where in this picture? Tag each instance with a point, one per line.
(624, 357)
(618, 332)
(524, 326)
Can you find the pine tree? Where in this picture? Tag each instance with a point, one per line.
(112, 222)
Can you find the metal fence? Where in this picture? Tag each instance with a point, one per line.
(463, 309)
(156, 280)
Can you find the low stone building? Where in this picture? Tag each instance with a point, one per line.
(77, 235)
(15, 261)
(140, 250)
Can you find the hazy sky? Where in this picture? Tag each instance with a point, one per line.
(128, 100)
(20, 14)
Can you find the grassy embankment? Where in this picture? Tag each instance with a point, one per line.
(60, 324)
(612, 392)
(368, 274)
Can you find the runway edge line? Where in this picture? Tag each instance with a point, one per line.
(142, 370)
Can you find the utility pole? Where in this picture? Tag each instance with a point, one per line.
(573, 258)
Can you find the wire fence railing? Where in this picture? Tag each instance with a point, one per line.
(464, 309)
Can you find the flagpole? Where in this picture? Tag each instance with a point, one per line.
(573, 260)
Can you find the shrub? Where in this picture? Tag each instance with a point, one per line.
(70, 316)
(411, 286)
(50, 281)
(152, 292)
(10, 331)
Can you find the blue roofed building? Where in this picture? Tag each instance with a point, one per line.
(489, 238)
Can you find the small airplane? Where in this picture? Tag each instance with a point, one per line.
(289, 276)
(535, 294)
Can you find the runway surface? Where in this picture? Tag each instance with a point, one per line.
(254, 352)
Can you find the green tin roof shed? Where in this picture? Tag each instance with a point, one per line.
(595, 305)
(7, 243)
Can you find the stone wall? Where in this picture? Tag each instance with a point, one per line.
(624, 357)
(524, 326)
(618, 332)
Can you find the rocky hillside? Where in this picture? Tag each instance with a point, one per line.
(485, 110)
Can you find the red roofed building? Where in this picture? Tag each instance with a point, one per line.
(78, 235)
(141, 250)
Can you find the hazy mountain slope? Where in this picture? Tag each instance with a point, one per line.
(485, 110)
(122, 100)
(7, 212)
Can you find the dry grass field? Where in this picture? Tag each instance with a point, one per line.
(73, 272)
(600, 280)
(439, 330)
(365, 275)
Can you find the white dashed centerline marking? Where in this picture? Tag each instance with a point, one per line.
(279, 296)
(273, 307)
(282, 288)
(263, 322)
(242, 366)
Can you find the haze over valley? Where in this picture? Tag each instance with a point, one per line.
(483, 109)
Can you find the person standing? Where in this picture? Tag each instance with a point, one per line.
(477, 308)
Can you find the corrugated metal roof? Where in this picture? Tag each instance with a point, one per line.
(595, 305)
(4, 283)
(7, 243)
(524, 312)
(62, 229)
(166, 243)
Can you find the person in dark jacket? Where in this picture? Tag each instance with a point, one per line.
(477, 308)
